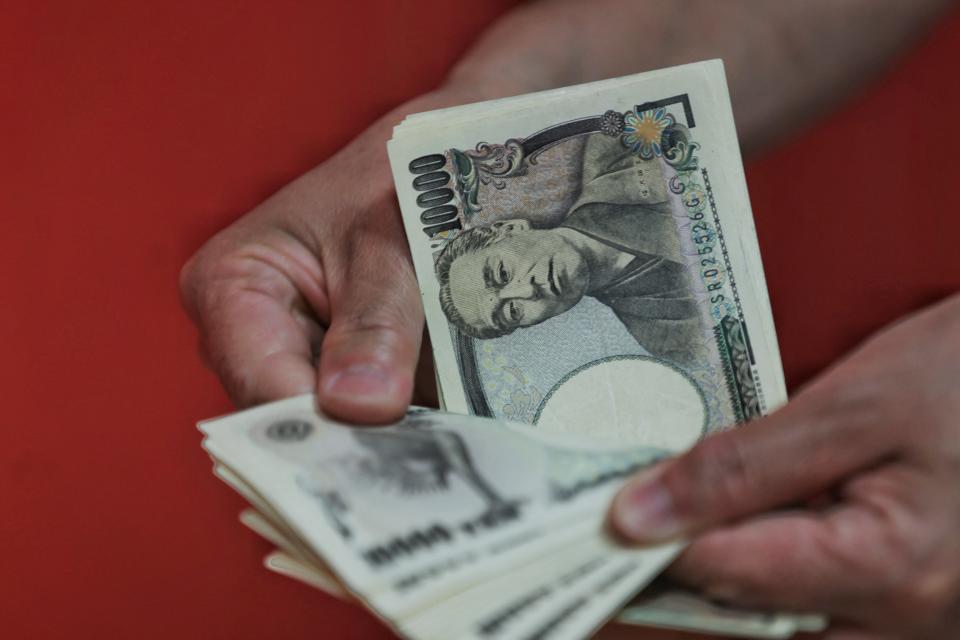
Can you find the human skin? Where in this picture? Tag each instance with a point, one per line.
(314, 291)
(846, 501)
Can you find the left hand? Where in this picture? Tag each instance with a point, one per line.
(864, 467)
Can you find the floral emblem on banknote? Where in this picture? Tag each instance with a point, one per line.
(611, 123)
(643, 131)
(523, 405)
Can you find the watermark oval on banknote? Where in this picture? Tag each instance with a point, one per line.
(636, 400)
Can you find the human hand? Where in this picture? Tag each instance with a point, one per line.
(314, 291)
(868, 457)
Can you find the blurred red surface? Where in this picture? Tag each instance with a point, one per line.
(130, 132)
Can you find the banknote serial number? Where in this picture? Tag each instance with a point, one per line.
(704, 239)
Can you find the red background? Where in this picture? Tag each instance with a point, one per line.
(130, 132)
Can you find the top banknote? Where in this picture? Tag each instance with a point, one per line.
(588, 260)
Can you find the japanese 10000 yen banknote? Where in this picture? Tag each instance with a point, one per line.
(588, 261)
(446, 526)
(588, 264)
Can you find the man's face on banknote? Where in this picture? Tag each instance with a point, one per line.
(523, 277)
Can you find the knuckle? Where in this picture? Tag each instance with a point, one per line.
(197, 295)
(382, 264)
(377, 320)
(214, 273)
(384, 325)
(196, 273)
(711, 478)
(375, 304)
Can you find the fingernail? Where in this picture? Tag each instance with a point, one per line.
(643, 510)
(364, 380)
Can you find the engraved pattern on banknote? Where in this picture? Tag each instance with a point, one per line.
(578, 370)
(416, 460)
(537, 183)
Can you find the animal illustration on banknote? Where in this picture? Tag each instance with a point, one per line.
(417, 459)
(413, 459)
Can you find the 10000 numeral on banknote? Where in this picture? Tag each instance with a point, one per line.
(599, 274)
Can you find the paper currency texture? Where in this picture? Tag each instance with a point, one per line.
(588, 260)
(410, 515)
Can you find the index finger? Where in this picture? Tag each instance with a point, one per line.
(261, 349)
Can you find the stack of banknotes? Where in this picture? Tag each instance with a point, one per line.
(596, 303)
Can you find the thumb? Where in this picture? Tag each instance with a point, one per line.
(369, 354)
(800, 451)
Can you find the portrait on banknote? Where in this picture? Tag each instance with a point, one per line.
(618, 243)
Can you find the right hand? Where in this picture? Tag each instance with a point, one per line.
(314, 290)
(844, 501)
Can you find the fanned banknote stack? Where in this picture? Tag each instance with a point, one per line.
(595, 300)
(446, 526)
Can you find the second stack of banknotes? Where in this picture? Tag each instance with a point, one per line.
(595, 300)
